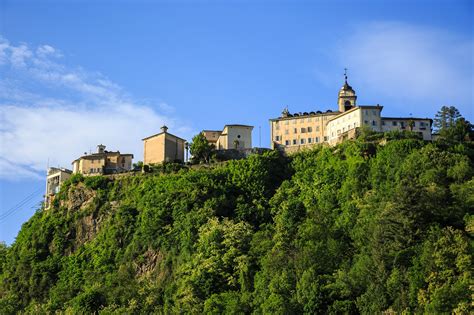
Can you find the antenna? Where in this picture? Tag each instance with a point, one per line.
(345, 74)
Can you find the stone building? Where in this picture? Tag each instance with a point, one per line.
(231, 137)
(54, 179)
(163, 147)
(102, 162)
(293, 132)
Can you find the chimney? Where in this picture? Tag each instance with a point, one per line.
(164, 128)
(100, 148)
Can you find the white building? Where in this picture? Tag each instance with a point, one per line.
(55, 177)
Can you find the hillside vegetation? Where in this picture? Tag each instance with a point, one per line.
(359, 228)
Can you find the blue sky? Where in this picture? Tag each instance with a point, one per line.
(77, 73)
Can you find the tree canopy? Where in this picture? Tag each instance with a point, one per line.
(201, 150)
(358, 228)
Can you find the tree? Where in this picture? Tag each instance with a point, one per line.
(201, 150)
(451, 125)
(138, 165)
(446, 118)
(411, 124)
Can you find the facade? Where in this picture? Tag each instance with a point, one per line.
(102, 162)
(293, 132)
(419, 125)
(231, 137)
(54, 178)
(163, 147)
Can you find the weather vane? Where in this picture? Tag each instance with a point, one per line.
(345, 74)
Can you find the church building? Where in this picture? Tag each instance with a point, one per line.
(292, 132)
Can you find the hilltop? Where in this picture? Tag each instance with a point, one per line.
(356, 228)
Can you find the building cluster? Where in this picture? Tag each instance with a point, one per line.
(289, 133)
(293, 132)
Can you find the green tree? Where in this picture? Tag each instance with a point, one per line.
(446, 118)
(201, 150)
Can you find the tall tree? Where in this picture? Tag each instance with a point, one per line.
(446, 118)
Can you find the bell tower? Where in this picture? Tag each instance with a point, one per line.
(347, 96)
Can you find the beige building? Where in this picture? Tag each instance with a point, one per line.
(54, 179)
(231, 137)
(421, 126)
(293, 132)
(163, 147)
(102, 162)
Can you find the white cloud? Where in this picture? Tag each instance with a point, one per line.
(410, 65)
(51, 112)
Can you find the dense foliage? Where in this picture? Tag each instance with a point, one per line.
(359, 228)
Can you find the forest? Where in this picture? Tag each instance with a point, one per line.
(381, 224)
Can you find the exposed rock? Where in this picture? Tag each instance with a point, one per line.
(150, 261)
(79, 198)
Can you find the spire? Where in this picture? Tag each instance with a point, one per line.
(346, 85)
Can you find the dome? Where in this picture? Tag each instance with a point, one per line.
(347, 87)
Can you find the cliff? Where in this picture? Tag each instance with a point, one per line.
(359, 228)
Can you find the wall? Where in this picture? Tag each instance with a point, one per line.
(174, 149)
(283, 133)
(243, 134)
(422, 126)
(154, 149)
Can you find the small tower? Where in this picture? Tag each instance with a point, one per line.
(100, 148)
(347, 96)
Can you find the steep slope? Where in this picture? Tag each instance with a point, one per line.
(360, 228)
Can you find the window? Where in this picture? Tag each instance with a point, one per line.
(277, 126)
(294, 141)
(310, 140)
(287, 142)
(294, 122)
(348, 127)
(92, 161)
(366, 122)
(383, 122)
(325, 138)
(302, 141)
(295, 130)
(343, 129)
(339, 132)
(286, 122)
(374, 112)
(394, 123)
(317, 128)
(422, 124)
(303, 130)
(310, 129)
(309, 120)
(374, 123)
(277, 138)
(286, 131)
(316, 139)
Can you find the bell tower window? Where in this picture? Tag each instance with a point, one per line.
(347, 105)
